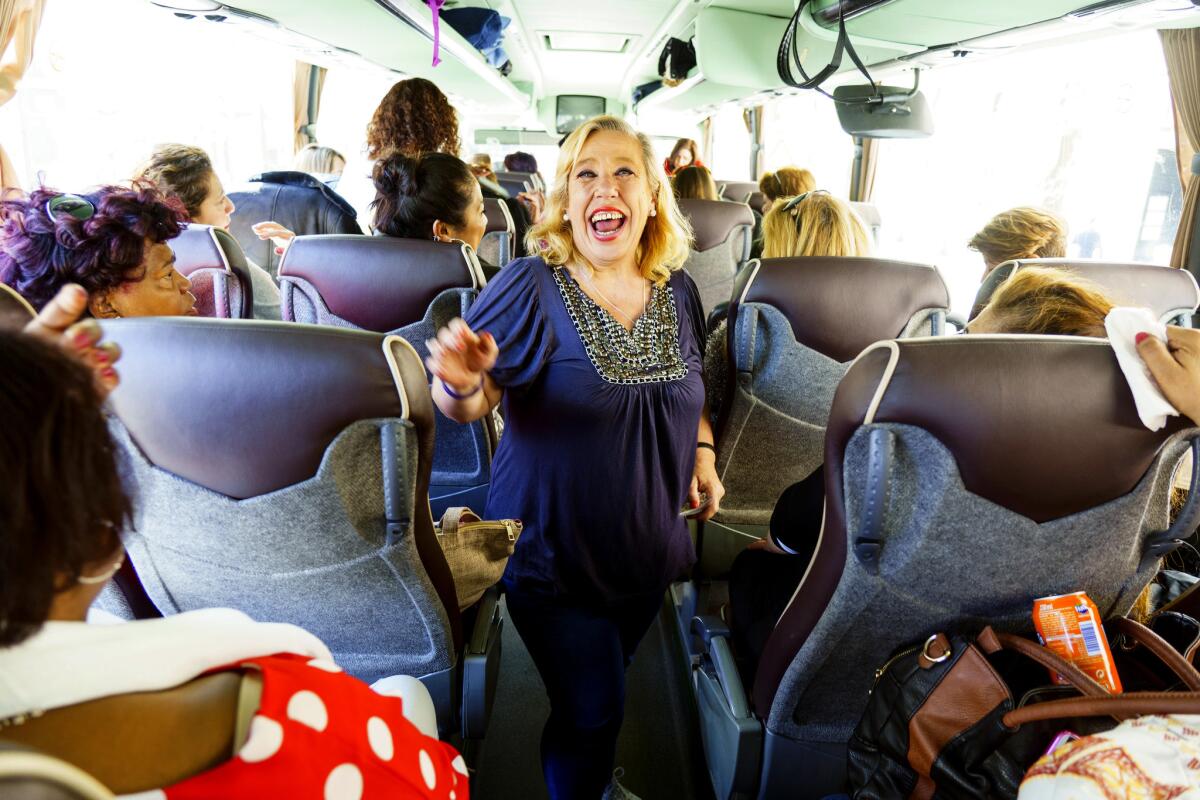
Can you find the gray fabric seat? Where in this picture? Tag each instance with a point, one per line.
(793, 328)
(735, 190)
(722, 236)
(496, 247)
(965, 477)
(211, 259)
(284, 470)
(1171, 294)
(411, 288)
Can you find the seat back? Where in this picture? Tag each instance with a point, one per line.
(1171, 294)
(869, 214)
(496, 246)
(409, 287)
(513, 182)
(216, 267)
(735, 190)
(722, 236)
(965, 477)
(15, 311)
(756, 200)
(794, 326)
(297, 201)
(283, 470)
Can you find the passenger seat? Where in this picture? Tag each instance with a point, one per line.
(411, 288)
(211, 259)
(735, 191)
(497, 244)
(283, 470)
(723, 234)
(1171, 294)
(297, 201)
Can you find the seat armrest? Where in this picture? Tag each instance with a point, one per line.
(707, 627)
(714, 633)
(488, 612)
(481, 666)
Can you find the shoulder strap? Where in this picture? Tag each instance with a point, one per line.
(454, 517)
(991, 642)
(1160, 648)
(1121, 706)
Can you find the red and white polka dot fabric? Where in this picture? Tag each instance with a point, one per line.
(322, 734)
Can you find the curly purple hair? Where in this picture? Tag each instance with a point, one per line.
(40, 253)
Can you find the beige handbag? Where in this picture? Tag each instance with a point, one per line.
(476, 550)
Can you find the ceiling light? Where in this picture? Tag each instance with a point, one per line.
(580, 41)
(198, 6)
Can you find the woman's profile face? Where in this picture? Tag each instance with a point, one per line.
(608, 199)
(155, 289)
(217, 208)
(475, 217)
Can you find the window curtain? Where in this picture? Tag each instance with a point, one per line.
(19, 22)
(706, 139)
(862, 183)
(1182, 50)
(302, 85)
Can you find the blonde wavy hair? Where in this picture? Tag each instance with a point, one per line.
(786, 182)
(1021, 232)
(1049, 301)
(819, 224)
(665, 241)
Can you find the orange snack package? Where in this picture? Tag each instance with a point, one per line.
(1070, 625)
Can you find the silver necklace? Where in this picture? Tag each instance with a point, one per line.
(582, 271)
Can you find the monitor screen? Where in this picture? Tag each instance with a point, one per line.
(575, 109)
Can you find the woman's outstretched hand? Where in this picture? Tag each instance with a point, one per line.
(59, 322)
(280, 236)
(459, 357)
(1175, 367)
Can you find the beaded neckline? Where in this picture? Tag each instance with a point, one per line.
(647, 354)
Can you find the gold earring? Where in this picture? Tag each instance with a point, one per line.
(566, 217)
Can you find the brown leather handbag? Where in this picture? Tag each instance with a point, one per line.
(476, 550)
(963, 719)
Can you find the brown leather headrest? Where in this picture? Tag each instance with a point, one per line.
(205, 247)
(15, 312)
(714, 220)
(839, 305)
(243, 407)
(380, 283)
(1044, 426)
(1163, 290)
(498, 218)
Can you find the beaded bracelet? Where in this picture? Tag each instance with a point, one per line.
(446, 388)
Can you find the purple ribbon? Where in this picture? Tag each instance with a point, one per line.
(436, 6)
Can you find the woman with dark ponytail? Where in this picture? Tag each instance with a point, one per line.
(430, 196)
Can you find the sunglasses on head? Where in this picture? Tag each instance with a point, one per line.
(795, 201)
(72, 204)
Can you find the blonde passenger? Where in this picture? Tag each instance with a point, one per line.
(320, 161)
(1020, 233)
(814, 223)
(694, 183)
(1045, 301)
(785, 182)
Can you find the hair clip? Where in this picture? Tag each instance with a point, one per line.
(78, 207)
(795, 201)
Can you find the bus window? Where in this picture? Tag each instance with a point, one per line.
(803, 131)
(730, 157)
(110, 80)
(348, 99)
(1072, 129)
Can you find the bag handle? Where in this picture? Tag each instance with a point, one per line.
(456, 516)
(1133, 704)
(993, 642)
(1160, 648)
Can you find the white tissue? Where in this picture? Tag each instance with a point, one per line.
(1123, 325)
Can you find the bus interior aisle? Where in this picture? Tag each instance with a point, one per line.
(801, 397)
(659, 748)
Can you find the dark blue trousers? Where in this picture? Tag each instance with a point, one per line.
(581, 651)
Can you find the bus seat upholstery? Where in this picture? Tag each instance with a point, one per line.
(1171, 294)
(869, 214)
(496, 247)
(409, 287)
(296, 492)
(15, 311)
(756, 200)
(211, 259)
(513, 182)
(735, 190)
(793, 328)
(967, 476)
(722, 234)
(297, 201)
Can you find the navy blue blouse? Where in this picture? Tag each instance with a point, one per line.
(599, 440)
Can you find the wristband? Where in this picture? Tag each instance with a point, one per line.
(706, 446)
(464, 396)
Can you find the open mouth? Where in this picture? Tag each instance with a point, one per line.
(606, 223)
